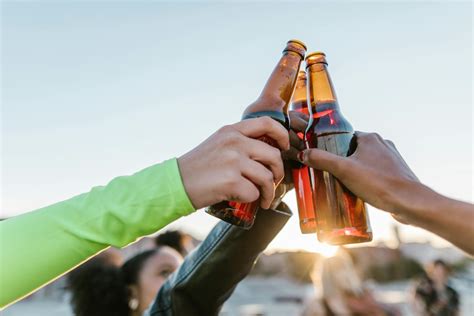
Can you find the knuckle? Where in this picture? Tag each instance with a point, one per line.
(368, 137)
(231, 180)
(268, 177)
(377, 136)
(231, 138)
(226, 129)
(254, 194)
(267, 122)
(247, 193)
(276, 153)
(232, 157)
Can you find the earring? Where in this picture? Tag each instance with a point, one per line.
(133, 304)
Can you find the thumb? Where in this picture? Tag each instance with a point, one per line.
(323, 160)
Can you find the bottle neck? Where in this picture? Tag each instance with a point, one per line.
(321, 91)
(300, 91)
(277, 92)
(298, 100)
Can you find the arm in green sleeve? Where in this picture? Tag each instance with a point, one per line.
(39, 246)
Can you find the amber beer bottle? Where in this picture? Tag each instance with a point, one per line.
(273, 102)
(341, 216)
(300, 172)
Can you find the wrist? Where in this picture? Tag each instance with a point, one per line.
(186, 179)
(416, 203)
(198, 183)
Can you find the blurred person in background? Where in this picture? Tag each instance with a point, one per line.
(433, 296)
(103, 286)
(199, 285)
(181, 242)
(111, 256)
(342, 291)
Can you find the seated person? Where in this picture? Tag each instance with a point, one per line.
(342, 291)
(433, 295)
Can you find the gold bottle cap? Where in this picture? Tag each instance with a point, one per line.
(296, 46)
(298, 42)
(315, 58)
(316, 53)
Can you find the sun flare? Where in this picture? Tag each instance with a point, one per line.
(327, 250)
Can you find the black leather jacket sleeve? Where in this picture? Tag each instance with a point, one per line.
(209, 274)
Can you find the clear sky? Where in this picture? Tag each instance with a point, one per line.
(93, 90)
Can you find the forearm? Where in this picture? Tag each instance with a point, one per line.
(450, 219)
(39, 246)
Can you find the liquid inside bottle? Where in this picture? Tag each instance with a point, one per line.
(301, 176)
(341, 216)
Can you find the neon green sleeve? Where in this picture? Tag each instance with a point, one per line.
(39, 246)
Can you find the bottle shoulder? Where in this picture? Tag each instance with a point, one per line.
(328, 118)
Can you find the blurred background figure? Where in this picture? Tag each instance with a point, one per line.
(432, 294)
(181, 242)
(104, 287)
(342, 291)
(112, 256)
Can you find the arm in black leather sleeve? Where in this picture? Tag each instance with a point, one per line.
(209, 275)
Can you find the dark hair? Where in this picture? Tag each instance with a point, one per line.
(440, 262)
(99, 288)
(173, 239)
(132, 267)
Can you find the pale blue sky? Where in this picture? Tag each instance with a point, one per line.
(93, 90)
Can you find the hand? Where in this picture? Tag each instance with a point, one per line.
(376, 172)
(231, 165)
(298, 124)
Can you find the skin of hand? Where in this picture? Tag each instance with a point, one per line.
(377, 173)
(233, 165)
(298, 122)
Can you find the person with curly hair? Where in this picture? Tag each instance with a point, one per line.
(100, 287)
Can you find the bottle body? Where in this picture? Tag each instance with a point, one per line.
(273, 102)
(299, 171)
(304, 199)
(341, 216)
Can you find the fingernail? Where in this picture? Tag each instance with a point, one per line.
(300, 156)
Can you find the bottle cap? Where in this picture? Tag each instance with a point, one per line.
(315, 58)
(296, 46)
(298, 42)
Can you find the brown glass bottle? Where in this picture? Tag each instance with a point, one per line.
(341, 216)
(300, 172)
(273, 102)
